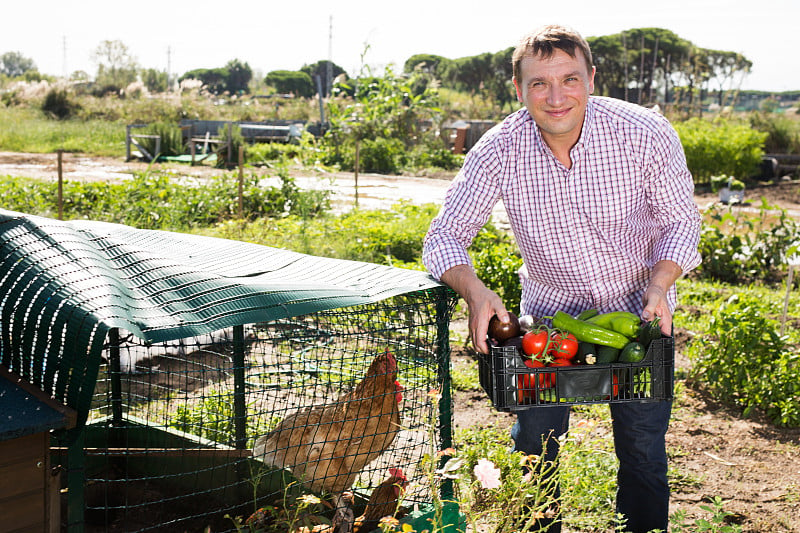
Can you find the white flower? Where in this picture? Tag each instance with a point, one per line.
(487, 474)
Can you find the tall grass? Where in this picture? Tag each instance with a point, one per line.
(29, 130)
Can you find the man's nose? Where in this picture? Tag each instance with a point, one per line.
(555, 96)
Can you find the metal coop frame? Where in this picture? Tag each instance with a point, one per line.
(178, 352)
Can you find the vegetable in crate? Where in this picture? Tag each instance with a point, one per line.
(501, 331)
(587, 332)
(622, 322)
(633, 352)
(649, 331)
(564, 346)
(534, 343)
(607, 354)
(587, 354)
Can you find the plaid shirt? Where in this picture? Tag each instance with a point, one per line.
(589, 235)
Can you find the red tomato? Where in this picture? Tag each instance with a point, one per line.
(534, 343)
(615, 386)
(558, 361)
(526, 383)
(564, 346)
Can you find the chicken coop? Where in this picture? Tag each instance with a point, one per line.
(228, 386)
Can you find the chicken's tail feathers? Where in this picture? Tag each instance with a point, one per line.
(264, 453)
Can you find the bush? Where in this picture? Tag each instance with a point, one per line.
(745, 361)
(387, 237)
(424, 157)
(497, 260)
(171, 139)
(154, 201)
(742, 249)
(720, 147)
(58, 104)
(381, 155)
(230, 139)
(783, 134)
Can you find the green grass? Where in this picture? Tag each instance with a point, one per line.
(29, 130)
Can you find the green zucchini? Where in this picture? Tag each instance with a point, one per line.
(587, 354)
(632, 353)
(607, 354)
(586, 315)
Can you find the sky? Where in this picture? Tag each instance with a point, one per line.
(60, 37)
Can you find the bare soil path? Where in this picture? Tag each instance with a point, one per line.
(751, 464)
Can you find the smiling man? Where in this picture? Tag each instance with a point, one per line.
(601, 204)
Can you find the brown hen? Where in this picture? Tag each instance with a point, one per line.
(325, 446)
(383, 501)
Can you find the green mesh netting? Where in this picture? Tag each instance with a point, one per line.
(179, 352)
(64, 284)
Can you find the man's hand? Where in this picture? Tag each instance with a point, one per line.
(664, 275)
(482, 303)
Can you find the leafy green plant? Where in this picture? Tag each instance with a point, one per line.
(230, 139)
(390, 237)
(497, 261)
(723, 180)
(738, 247)
(211, 419)
(720, 147)
(783, 134)
(381, 114)
(717, 523)
(745, 361)
(59, 104)
(153, 201)
(171, 139)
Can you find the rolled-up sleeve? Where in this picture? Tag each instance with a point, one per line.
(467, 207)
(672, 201)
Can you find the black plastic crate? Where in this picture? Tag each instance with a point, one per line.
(513, 386)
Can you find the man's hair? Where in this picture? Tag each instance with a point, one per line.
(544, 41)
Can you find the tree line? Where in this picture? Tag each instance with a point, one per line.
(643, 65)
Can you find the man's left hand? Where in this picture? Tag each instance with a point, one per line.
(664, 275)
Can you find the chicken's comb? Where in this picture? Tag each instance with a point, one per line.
(397, 472)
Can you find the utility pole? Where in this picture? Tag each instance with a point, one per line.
(64, 57)
(330, 56)
(169, 68)
(625, 61)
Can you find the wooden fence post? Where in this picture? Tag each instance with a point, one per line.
(355, 173)
(241, 182)
(60, 186)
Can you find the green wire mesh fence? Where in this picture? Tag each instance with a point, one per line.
(216, 380)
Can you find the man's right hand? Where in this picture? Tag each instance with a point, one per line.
(482, 303)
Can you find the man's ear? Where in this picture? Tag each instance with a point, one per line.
(591, 80)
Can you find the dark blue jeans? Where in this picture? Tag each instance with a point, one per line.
(639, 440)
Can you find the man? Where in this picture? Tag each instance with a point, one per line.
(601, 204)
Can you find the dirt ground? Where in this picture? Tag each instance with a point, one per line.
(752, 465)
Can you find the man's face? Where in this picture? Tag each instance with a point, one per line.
(555, 91)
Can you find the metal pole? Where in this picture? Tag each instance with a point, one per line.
(446, 402)
(239, 405)
(76, 479)
(115, 376)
